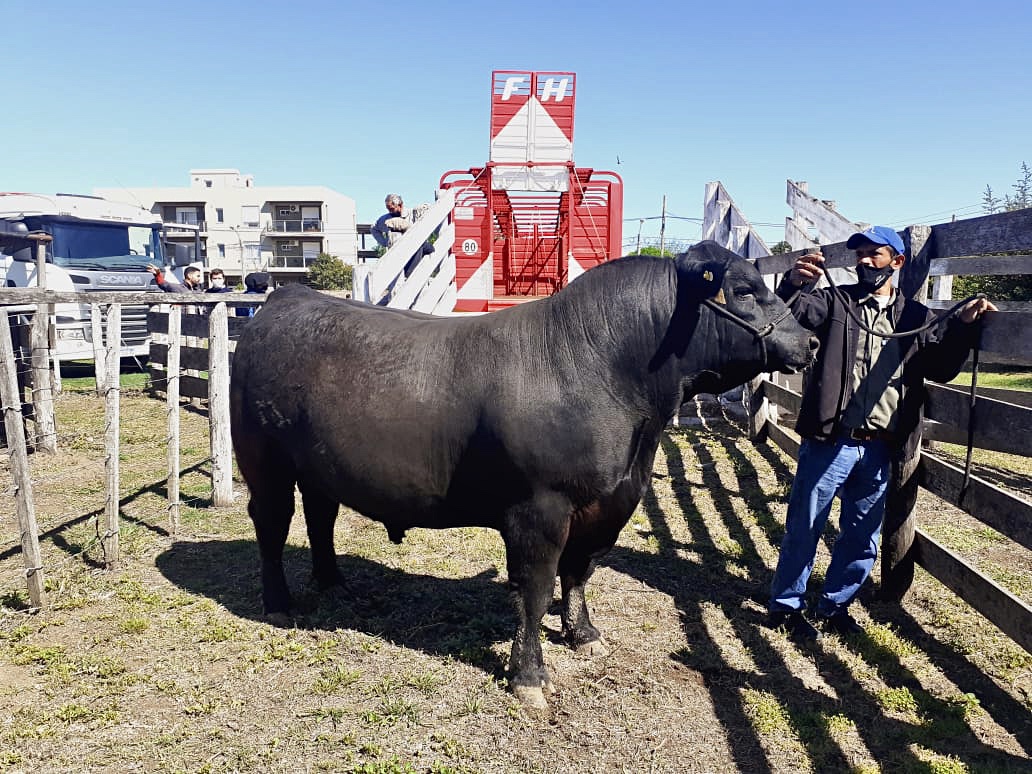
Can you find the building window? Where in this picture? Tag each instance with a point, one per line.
(222, 251)
(249, 215)
(218, 215)
(207, 183)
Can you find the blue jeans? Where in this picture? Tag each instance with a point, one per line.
(858, 472)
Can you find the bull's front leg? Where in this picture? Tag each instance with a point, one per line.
(533, 543)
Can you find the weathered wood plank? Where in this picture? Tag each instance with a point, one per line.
(109, 543)
(189, 386)
(42, 382)
(43, 296)
(999, 426)
(172, 351)
(1006, 333)
(195, 325)
(218, 408)
(14, 425)
(782, 397)
(195, 358)
(991, 600)
(1002, 232)
(1008, 514)
(785, 440)
(972, 266)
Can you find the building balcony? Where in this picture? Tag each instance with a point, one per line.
(184, 230)
(299, 263)
(297, 226)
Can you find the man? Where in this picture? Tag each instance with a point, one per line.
(217, 282)
(192, 282)
(390, 226)
(859, 420)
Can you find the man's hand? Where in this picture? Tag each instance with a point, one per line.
(807, 270)
(975, 308)
(153, 269)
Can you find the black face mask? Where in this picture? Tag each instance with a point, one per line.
(870, 279)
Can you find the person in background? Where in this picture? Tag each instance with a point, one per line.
(255, 282)
(860, 421)
(192, 282)
(217, 282)
(390, 226)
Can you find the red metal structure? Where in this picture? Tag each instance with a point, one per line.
(530, 220)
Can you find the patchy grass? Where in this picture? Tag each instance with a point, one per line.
(1002, 376)
(167, 665)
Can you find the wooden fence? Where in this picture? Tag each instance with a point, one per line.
(1002, 421)
(208, 324)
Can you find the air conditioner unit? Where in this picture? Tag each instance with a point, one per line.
(293, 208)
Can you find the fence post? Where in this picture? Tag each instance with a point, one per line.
(11, 397)
(113, 355)
(897, 570)
(218, 406)
(39, 342)
(42, 388)
(175, 316)
(97, 329)
(759, 409)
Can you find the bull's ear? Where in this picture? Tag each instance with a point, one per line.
(701, 279)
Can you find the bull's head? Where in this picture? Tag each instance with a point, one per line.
(736, 325)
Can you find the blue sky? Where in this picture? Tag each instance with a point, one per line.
(901, 112)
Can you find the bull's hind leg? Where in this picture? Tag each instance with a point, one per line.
(575, 568)
(271, 508)
(534, 537)
(320, 517)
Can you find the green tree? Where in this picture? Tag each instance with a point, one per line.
(1004, 287)
(328, 272)
(781, 248)
(655, 252)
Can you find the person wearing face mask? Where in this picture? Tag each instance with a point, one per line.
(217, 282)
(859, 421)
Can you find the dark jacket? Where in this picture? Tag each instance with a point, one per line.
(937, 354)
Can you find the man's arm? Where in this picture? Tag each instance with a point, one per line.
(809, 306)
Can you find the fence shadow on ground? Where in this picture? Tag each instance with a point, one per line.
(698, 584)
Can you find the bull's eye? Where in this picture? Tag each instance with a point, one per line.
(743, 292)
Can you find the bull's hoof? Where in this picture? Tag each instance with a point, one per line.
(531, 697)
(282, 620)
(593, 648)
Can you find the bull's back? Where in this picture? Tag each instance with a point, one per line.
(358, 398)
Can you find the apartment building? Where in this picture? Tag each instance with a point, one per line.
(245, 228)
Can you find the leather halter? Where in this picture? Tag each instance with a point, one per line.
(760, 334)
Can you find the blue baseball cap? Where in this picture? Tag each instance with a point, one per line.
(879, 235)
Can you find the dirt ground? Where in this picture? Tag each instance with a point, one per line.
(167, 664)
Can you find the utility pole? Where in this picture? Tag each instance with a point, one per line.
(662, 228)
(641, 222)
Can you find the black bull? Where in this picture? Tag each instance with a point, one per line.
(541, 421)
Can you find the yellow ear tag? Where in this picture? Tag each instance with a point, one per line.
(707, 275)
(719, 298)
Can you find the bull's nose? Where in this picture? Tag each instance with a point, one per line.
(815, 344)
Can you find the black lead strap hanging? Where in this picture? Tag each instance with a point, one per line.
(972, 400)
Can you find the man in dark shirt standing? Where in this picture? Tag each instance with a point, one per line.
(859, 420)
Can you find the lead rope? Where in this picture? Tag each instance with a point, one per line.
(973, 395)
(972, 400)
